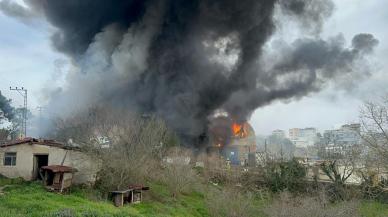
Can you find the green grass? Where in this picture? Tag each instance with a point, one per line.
(162, 204)
(30, 199)
(374, 209)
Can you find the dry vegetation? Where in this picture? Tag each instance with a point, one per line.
(231, 202)
(286, 205)
(130, 149)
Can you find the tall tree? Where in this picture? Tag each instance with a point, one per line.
(6, 110)
(374, 123)
(6, 115)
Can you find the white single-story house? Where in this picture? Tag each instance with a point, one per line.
(24, 158)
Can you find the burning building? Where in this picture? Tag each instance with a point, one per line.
(233, 141)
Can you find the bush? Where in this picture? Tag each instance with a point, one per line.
(229, 202)
(374, 192)
(290, 175)
(177, 174)
(286, 205)
(179, 178)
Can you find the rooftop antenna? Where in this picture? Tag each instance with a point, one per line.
(23, 93)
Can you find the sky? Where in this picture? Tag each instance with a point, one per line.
(332, 107)
(28, 60)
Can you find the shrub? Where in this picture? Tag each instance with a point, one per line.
(374, 192)
(229, 202)
(290, 175)
(286, 205)
(177, 173)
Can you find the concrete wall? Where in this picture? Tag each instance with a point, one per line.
(87, 168)
(25, 161)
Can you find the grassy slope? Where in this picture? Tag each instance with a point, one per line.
(374, 209)
(32, 200)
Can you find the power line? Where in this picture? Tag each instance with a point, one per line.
(23, 93)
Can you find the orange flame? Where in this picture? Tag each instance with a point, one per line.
(237, 128)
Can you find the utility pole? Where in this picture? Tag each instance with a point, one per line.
(23, 93)
(265, 151)
(40, 108)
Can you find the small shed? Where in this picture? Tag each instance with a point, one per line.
(131, 195)
(57, 177)
(24, 158)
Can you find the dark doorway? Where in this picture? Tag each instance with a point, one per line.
(40, 160)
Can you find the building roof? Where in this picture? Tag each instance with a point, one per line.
(59, 169)
(31, 141)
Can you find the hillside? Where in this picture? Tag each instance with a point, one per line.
(30, 199)
(20, 199)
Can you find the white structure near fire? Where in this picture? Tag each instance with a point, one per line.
(25, 158)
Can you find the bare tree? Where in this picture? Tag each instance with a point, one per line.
(335, 173)
(126, 145)
(4, 133)
(341, 170)
(230, 202)
(374, 121)
(177, 172)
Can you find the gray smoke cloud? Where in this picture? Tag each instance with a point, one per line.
(311, 14)
(183, 60)
(303, 67)
(23, 14)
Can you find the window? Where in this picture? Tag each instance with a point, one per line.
(10, 159)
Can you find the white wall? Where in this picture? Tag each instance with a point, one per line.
(25, 160)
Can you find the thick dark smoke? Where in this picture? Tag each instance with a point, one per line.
(80, 20)
(183, 60)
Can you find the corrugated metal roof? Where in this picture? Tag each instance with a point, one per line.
(31, 141)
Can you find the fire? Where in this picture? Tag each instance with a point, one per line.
(236, 128)
(239, 130)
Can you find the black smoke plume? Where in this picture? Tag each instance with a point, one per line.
(185, 59)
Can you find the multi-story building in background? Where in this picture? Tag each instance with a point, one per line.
(310, 143)
(303, 137)
(293, 133)
(279, 133)
(348, 134)
(339, 141)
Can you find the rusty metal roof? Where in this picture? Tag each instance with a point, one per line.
(31, 141)
(59, 169)
(138, 187)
